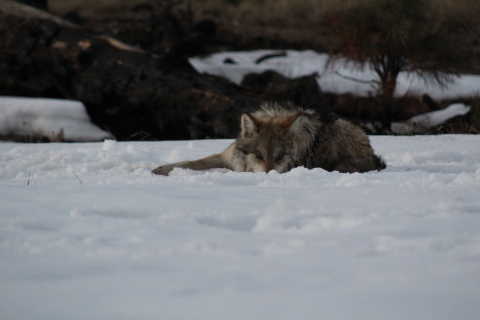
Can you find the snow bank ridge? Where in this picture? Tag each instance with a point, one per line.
(48, 118)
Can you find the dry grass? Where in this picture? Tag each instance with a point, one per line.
(240, 9)
(260, 23)
(289, 11)
(250, 24)
(90, 7)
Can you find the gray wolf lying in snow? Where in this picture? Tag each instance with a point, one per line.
(281, 136)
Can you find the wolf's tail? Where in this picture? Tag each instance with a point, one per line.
(379, 162)
(361, 164)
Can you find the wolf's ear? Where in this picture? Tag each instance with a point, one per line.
(292, 122)
(249, 123)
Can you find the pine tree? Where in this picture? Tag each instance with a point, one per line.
(392, 36)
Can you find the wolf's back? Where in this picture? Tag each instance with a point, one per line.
(342, 146)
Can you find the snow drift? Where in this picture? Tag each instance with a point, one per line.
(87, 232)
(51, 118)
(338, 79)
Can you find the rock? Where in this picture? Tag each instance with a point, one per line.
(303, 91)
(127, 91)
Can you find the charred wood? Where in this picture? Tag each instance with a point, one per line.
(126, 90)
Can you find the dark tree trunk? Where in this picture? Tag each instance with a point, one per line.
(388, 67)
(387, 86)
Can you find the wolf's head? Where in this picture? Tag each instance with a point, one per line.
(267, 140)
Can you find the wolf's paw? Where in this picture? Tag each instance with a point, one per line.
(163, 170)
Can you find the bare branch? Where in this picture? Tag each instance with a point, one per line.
(355, 79)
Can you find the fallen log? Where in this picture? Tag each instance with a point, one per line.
(126, 90)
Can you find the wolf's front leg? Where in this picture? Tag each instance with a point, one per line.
(165, 169)
(213, 161)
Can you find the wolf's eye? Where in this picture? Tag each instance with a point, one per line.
(279, 157)
(259, 156)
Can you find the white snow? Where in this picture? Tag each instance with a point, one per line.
(421, 123)
(86, 232)
(335, 79)
(49, 118)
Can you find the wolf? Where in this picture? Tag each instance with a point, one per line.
(280, 136)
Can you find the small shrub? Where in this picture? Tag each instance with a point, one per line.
(392, 36)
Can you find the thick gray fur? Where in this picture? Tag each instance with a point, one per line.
(282, 136)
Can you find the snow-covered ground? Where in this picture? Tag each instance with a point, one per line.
(339, 78)
(56, 119)
(86, 232)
